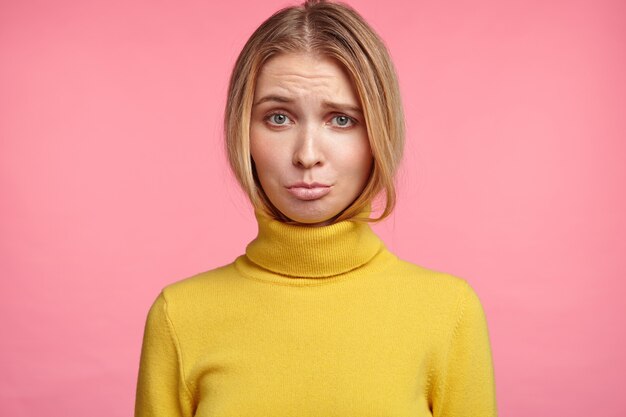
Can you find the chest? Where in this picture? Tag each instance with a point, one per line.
(345, 368)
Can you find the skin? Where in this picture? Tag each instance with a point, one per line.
(307, 127)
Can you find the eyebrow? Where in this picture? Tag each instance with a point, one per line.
(279, 99)
(325, 104)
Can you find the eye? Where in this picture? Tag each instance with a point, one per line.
(277, 119)
(343, 121)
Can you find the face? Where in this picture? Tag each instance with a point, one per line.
(308, 137)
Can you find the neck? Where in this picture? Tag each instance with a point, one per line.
(312, 252)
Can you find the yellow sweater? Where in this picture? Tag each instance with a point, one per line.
(316, 322)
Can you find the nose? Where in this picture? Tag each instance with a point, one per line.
(307, 152)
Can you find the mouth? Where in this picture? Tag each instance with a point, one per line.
(308, 191)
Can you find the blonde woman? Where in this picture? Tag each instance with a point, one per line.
(317, 318)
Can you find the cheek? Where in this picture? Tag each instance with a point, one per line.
(266, 160)
(356, 159)
(259, 149)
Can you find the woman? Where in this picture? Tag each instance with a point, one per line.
(317, 318)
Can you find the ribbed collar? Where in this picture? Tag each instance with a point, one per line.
(312, 252)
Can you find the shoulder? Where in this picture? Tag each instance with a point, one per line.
(440, 295)
(197, 284)
(433, 283)
(194, 295)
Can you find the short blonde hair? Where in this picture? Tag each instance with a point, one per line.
(337, 31)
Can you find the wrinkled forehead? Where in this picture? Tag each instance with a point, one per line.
(297, 74)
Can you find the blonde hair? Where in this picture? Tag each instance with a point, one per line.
(337, 31)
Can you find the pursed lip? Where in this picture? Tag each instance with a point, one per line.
(307, 185)
(308, 191)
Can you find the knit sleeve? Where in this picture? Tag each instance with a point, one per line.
(161, 388)
(466, 386)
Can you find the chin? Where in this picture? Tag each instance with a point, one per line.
(311, 221)
(311, 217)
(311, 213)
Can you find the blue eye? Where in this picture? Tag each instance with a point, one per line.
(278, 118)
(343, 120)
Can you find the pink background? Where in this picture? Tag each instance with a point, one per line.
(113, 183)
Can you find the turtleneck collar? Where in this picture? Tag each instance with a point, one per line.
(312, 252)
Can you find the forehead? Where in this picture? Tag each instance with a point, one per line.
(299, 73)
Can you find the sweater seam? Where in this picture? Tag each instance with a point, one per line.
(179, 350)
(323, 280)
(427, 388)
(461, 305)
(310, 281)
